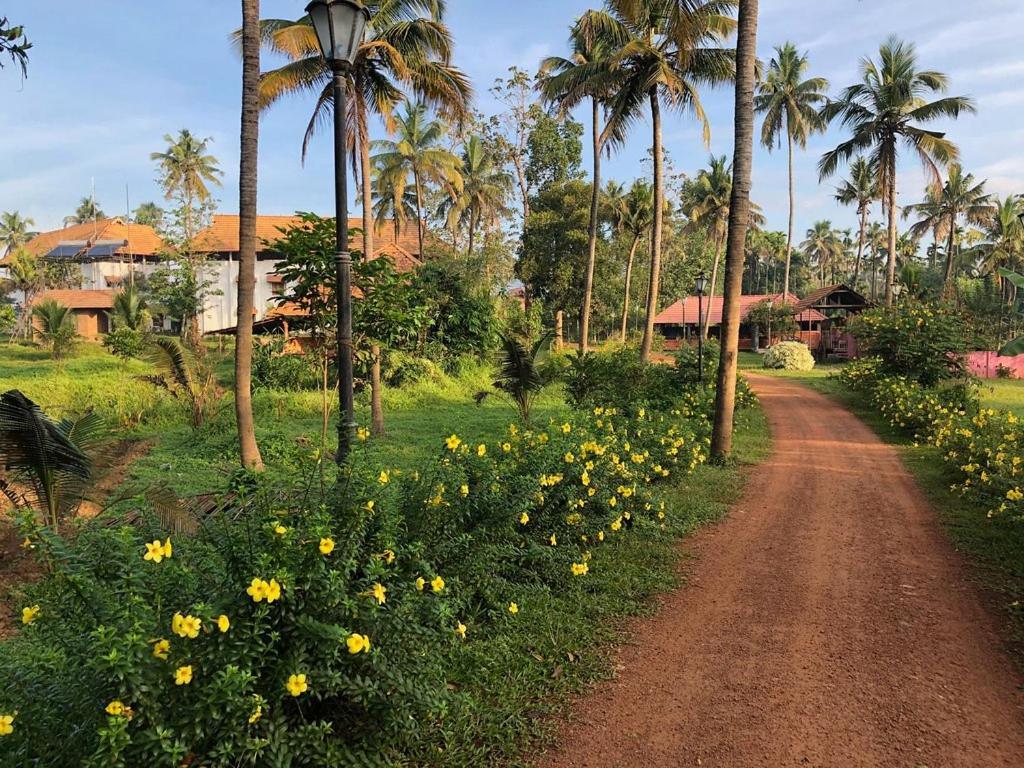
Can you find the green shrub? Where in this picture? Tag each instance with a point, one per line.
(8, 320)
(789, 356)
(687, 364)
(616, 376)
(272, 368)
(125, 342)
(401, 369)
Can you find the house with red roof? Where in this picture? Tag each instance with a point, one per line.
(90, 307)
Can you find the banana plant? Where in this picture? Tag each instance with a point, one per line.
(1014, 346)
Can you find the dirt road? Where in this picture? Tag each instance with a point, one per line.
(827, 622)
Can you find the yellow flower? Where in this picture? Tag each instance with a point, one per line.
(421, 583)
(257, 713)
(379, 593)
(326, 546)
(257, 590)
(481, 450)
(186, 626)
(585, 478)
(388, 556)
(280, 530)
(617, 524)
(183, 675)
(554, 540)
(368, 506)
(580, 569)
(161, 648)
(506, 447)
(569, 458)
(453, 442)
(566, 428)
(600, 535)
(460, 630)
(156, 551)
(362, 433)
(383, 478)
(273, 590)
(513, 608)
(296, 685)
(612, 501)
(464, 489)
(117, 708)
(29, 614)
(223, 623)
(437, 584)
(1014, 494)
(358, 643)
(524, 519)
(6, 725)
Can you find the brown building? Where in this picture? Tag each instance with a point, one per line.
(90, 308)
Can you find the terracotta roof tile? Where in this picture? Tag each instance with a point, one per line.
(79, 299)
(142, 239)
(685, 313)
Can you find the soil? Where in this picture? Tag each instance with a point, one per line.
(826, 622)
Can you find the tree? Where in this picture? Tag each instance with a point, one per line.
(14, 44)
(520, 377)
(130, 310)
(965, 199)
(824, 248)
(27, 275)
(883, 112)
(249, 450)
(416, 151)
(790, 105)
(150, 215)
(587, 75)
(88, 210)
(665, 50)
(15, 231)
(739, 218)
(859, 190)
(516, 125)
(635, 212)
(56, 327)
(485, 192)
(1004, 241)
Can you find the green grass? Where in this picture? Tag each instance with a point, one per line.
(752, 361)
(995, 547)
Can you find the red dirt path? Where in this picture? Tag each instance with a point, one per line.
(826, 622)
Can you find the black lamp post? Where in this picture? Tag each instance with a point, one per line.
(700, 285)
(340, 26)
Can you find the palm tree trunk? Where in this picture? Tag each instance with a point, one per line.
(419, 210)
(890, 269)
(472, 233)
(792, 206)
(659, 205)
(595, 199)
(860, 247)
(739, 217)
(714, 285)
(629, 279)
(947, 279)
(376, 407)
(247, 210)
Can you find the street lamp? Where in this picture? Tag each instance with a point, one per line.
(340, 26)
(700, 285)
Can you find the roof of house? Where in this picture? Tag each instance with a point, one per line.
(222, 234)
(818, 297)
(685, 312)
(137, 239)
(79, 299)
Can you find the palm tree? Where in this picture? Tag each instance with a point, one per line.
(665, 50)
(790, 104)
(635, 213)
(884, 111)
(705, 202)
(149, 214)
(823, 247)
(739, 219)
(963, 199)
(876, 239)
(249, 450)
(931, 219)
(56, 326)
(187, 170)
(129, 310)
(26, 275)
(87, 210)
(485, 192)
(417, 152)
(15, 231)
(586, 75)
(407, 46)
(860, 190)
(1004, 243)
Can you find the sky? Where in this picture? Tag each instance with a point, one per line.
(108, 79)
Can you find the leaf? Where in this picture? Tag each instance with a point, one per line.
(1015, 278)
(1012, 348)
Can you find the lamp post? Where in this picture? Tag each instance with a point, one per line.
(700, 285)
(340, 26)
(770, 305)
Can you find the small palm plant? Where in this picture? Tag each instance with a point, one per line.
(520, 378)
(45, 466)
(130, 310)
(56, 324)
(187, 379)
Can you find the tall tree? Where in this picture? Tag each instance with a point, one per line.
(87, 210)
(149, 214)
(486, 189)
(883, 112)
(15, 230)
(636, 212)
(417, 152)
(665, 51)
(963, 199)
(859, 190)
(247, 211)
(586, 75)
(187, 170)
(1004, 237)
(739, 217)
(823, 247)
(790, 105)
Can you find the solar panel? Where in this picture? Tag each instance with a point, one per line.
(86, 251)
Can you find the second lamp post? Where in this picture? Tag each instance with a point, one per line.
(700, 285)
(340, 26)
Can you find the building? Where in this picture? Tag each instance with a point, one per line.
(111, 250)
(681, 322)
(836, 304)
(90, 307)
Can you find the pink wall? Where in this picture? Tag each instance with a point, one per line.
(985, 364)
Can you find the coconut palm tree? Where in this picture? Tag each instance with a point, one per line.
(824, 247)
(56, 326)
(486, 188)
(408, 47)
(417, 152)
(962, 199)
(149, 214)
(587, 75)
(249, 450)
(665, 51)
(859, 190)
(1004, 242)
(790, 106)
(884, 112)
(395, 202)
(15, 231)
(87, 210)
(187, 171)
(634, 213)
(130, 310)
(931, 219)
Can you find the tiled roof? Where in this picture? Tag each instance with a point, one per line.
(685, 312)
(222, 234)
(79, 299)
(819, 295)
(142, 239)
(401, 259)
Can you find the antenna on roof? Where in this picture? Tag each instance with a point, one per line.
(93, 201)
(128, 234)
